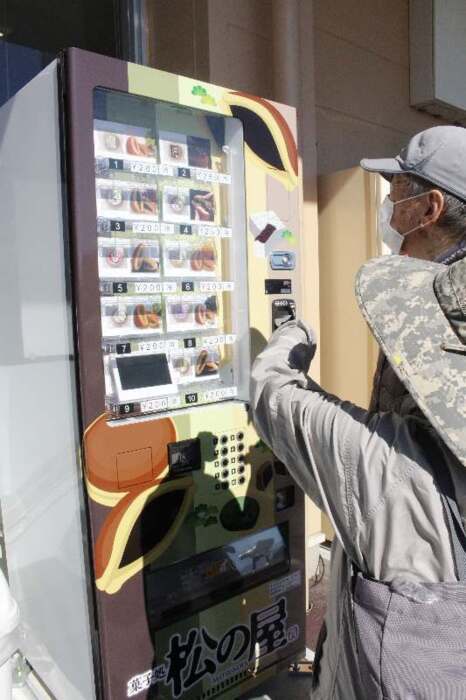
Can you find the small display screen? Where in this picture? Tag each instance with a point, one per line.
(184, 456)
(143, 370)
(278, 286)
(194, 584)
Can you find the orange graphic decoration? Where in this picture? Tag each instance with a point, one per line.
(126, 468)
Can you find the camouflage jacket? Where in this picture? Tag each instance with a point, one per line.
(372, 475)
(389, 392)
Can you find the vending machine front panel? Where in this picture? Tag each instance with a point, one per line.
(181, 195)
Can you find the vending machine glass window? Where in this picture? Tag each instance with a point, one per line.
(172, 255)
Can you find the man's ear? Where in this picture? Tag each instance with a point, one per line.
(435, 207)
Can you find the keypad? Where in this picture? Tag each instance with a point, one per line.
(229, 445)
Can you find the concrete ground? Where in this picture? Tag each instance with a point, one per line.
(283, 687)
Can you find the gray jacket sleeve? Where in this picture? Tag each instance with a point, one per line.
(329, 445)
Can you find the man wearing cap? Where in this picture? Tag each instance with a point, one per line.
(424, 217)
(388, 480)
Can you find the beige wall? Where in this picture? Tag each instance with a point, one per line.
(347, 238)
(362, 81)
(240, 45)
(178, 36)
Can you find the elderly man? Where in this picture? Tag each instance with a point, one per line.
(424, 217)
(392, 481)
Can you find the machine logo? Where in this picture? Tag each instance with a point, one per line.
(200, 654)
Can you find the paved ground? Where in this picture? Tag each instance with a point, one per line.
(284, 687)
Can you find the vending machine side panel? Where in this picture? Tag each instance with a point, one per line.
(40, 480)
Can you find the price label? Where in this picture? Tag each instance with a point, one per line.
(120, 287)
(208, 286)
(158, 345)
(145, 227)
(209, 231)
(189, 342)
(141, 167)
(188, 286)
(219, 394)
(169, 287)
(123, 348)
(186, 229)
(190, 398)
(147, 287)
(154, 405)
(201, 175)
(126, 409)
(117, 225)
(216, 286)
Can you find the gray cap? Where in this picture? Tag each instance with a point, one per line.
(437, 155)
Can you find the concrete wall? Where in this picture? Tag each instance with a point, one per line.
(240, 44)
(362, 81)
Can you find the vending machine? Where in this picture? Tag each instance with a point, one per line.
(150, 230)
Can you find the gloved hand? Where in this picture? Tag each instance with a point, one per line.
(302, 354)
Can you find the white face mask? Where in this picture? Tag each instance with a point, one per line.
(390, 236)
